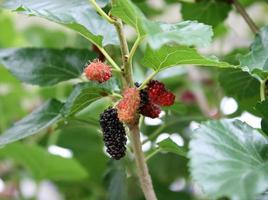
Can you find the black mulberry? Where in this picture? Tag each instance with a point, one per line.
(114, 134)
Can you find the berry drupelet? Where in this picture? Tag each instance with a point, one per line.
(114, 134)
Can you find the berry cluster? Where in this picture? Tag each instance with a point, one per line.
(154, 96)
(114, 134)
(98, 71)
(146, 101)
(129, 105)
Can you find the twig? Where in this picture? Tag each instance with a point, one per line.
(201, 99)
(152, 154)
(159, 130)
(142, 169)
(254, 28)
(127, 65)
(107, 56)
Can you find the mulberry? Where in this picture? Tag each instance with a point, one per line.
(114, 134)
(144, 99)
(98, 71)
(159, 95)
(150, 110)
(129, 105)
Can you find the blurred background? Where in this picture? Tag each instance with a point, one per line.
(200, 95)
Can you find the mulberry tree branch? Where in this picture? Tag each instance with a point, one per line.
(142, 169)
(127, 64)
(254, 28)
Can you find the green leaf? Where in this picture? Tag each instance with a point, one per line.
(229, 159)
(8, 35)
(84, 94)
(168, 145)
(117, 178)
(256, 61)
(86, 143)
(158, 34)
(77, 15)
(42, 164)
(264, 126)
(45, 66)
(40, 119)
(262, 107)
(169, 56)
(209, 12)
(240, 85)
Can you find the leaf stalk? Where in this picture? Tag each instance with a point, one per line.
(101, 12)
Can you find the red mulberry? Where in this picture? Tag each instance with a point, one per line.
(159, 95)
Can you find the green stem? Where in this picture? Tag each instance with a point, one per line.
(159, 130)
(107, 56)
(262, 90)
(134, 48)
(254, 28)
(152, 154)
(101, 12)
(102, 50)
(147, 80)
(117, 95)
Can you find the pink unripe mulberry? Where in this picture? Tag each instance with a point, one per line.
(98, 71)
(129, 105)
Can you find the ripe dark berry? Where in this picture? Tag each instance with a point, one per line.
(144, 99)
(98, 71)
(150, 110)
(114, 134)
(159, 95)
